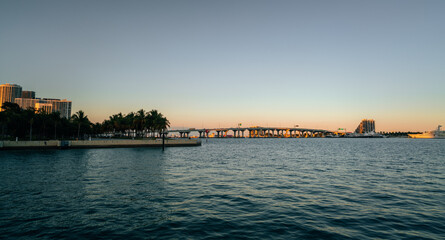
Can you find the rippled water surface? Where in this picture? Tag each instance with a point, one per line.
(229, 188)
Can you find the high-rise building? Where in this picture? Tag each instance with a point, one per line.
(27, 103)
(27, 100)
(28, 94)
(44, 107)
(9, 92)
(47, 105)
(366, 126)
(61, 106)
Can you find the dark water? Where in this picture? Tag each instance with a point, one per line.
(229, 188)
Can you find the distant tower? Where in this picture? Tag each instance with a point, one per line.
(366, 126)
(9, 92)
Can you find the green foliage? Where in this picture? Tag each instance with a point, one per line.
(29, 124)
(141, 123)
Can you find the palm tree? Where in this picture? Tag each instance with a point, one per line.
(154, 119)
(139, 121)
(162, 124)
(80, 119)
(55, 117)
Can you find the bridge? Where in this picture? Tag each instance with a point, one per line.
(254, 132)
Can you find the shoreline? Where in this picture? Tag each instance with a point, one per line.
(115, 143)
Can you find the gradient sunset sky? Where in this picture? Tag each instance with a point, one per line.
(316, 64)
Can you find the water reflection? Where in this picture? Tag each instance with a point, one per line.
(228, 188)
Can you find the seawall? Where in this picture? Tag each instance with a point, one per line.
(114, 143)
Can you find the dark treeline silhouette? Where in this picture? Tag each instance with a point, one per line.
(27, 124)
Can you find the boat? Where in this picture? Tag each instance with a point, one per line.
(438, 133)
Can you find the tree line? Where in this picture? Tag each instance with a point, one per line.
(29, 124)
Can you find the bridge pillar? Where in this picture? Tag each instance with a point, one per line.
(234, 133)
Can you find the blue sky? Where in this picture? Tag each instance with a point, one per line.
(320, 64)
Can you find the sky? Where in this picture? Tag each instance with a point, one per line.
(316, 64)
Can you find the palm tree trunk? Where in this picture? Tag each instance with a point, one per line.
(78, 131)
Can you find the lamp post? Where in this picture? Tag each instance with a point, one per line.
(163, 139)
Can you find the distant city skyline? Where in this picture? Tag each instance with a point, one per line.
(14, 93)
(316, 64)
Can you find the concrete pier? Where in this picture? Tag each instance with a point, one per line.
(113, 143)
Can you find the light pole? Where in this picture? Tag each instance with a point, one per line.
(163, 139)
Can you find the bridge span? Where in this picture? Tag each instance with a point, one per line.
(254, 132)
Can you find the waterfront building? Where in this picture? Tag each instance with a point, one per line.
(27, 100)
(44, 107)
(366, 126)
(47, 105)
(62, 106)
(9, 92)
(28, 94)
(27, 103)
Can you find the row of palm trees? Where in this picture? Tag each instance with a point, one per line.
(136, 124)
(28, 124)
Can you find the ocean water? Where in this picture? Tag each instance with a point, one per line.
(228, 189)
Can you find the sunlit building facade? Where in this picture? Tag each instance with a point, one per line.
(9, 92)
(62, 106)
(27, 103)
(366, 126)
(27, 100)
(44, 107)
(47, 105)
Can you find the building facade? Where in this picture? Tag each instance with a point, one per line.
(28, 94)
(27, 103)
(9, 92)
(366, 126)
(47, 105)
(27, 100)
(62, 106)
